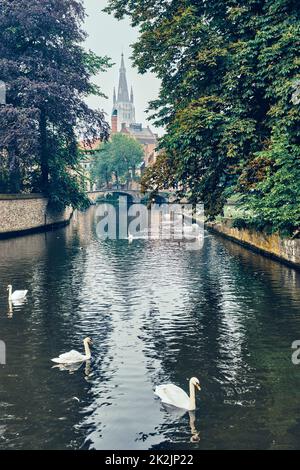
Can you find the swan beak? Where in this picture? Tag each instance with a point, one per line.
(198, 387)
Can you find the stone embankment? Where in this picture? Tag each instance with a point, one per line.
(21, 214)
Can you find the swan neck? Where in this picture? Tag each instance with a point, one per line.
(10, 293)
(87, 350)
(192, 396)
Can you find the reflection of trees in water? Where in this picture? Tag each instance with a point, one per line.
(52, 267)
(272, 293)
(194, 332)
(224, 332)
(224, 314)
(261, 268)
(125, 261)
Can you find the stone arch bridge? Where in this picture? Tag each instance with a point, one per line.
(136, 196)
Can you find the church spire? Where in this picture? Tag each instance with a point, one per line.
(122, 62)
(123, 112)
(123, 95)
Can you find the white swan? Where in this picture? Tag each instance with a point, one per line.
(74, 357)
(17, 295)
(173, 395)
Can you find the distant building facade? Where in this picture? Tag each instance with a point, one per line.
(89, 150)
(122, 121)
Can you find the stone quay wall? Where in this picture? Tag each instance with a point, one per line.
(284, 249)
(24, 213)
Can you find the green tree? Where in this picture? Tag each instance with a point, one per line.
(48, 75)
(229, 72)
(117, 160)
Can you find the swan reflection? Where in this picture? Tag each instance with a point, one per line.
(195, 435)
(14, 304)
(178, 413)
(10, 312)
(72, 368)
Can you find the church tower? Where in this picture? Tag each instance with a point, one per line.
(123, 107)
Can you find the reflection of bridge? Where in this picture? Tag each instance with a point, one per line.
(134, 195)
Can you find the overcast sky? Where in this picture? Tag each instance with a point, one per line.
(110, 37)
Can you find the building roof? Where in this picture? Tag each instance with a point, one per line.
(143, 134)
(89, 146)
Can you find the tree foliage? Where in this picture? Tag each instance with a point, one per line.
(117, 160)
(48, 75)
(230, 75)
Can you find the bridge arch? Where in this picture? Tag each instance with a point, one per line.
(134, 196)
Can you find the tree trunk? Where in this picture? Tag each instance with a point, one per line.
(44, 151)
(14, 183)
(117, 179)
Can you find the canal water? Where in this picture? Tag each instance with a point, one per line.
(157, 313)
